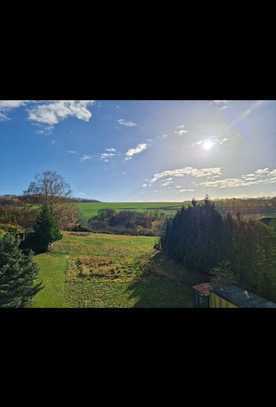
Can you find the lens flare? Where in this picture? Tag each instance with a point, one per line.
(208, 145)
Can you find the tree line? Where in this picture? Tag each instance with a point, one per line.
(226, 248)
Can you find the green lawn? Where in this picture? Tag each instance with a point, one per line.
(116, 271)
(52, 272)
(150, 292)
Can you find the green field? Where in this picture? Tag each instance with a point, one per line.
(91, 209)
(116, 271)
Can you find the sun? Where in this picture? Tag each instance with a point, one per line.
(208, 145)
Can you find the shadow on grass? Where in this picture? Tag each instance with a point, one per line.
(164, 284)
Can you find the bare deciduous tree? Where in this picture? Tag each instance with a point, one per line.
(48, 187)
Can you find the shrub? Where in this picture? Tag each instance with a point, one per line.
(127, 222)
(67, 215)
(23, 216)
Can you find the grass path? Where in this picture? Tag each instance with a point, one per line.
(52, 275)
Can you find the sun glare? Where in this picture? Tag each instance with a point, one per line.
(208, 145)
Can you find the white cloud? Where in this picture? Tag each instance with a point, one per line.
(72, 152)
(260, 176)
(224, 183)
(54, 112)
(11, 104)
(126, 123)
(221, 104)
(186, 190)
(262, 171)
(3, 117)
(231, 183)
(187, 171)
(106, 156)
(137, 150)
(7, 105)
(85, 157)
(169, 181)
(144, 185)
(213, 140)
(47, 130)
(164, 136)
(180, 130)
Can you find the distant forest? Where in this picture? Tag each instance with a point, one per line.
(249, 205)
(32, 199)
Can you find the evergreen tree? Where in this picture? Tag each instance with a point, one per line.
(222, 275)
(45, 232)
(17, 274)
(196, 237)
(226, 248)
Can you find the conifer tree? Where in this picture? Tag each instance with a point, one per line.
(222, 275)
(18, 274)
(45, 231)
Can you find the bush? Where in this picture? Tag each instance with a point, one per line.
(23, 216)
(67, 215)
(6, 227)
(127, 222)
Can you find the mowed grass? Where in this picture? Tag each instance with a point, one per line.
(52, 271)
(89, 210)
(103, 271)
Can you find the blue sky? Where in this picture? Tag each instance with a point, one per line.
(141, 150)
